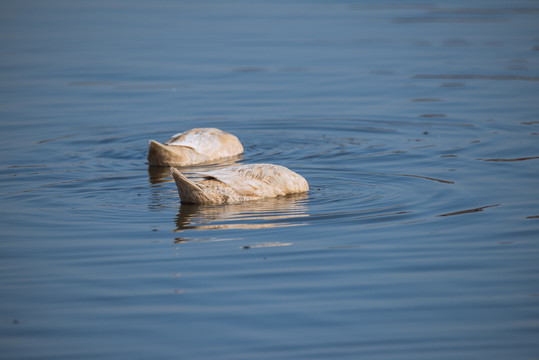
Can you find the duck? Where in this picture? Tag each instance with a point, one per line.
(196, 146)
(239, 183)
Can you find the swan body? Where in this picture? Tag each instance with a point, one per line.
(195, 146)
(239, 183)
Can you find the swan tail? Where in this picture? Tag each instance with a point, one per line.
(163, 155)
(188, 191)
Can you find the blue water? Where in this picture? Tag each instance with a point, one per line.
(415, 123)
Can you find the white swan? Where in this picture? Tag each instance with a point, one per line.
(200, 145)
(239, 183)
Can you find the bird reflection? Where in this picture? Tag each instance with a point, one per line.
(159, 175)
(260, 214)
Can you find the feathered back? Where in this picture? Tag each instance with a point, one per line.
(256, 179)
(210, 142)
(196, 146)
(240, 183)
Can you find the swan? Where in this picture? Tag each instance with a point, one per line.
(241, 183)
(195, 146)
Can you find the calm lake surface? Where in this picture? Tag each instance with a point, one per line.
(415, 123)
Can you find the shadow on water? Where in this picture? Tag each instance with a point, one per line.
(283, 211)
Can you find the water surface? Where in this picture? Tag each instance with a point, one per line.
(416, 125)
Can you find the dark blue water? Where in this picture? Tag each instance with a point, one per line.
(415, 123)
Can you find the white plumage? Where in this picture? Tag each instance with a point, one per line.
(200, 145)
(239, 183)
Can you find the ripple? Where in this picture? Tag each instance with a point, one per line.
(265, 245)
(475, 77)
(442, 19)
(469, 211)
(453, 84)
(250, 69)
(511, 159)
(427, 178)
(426, 100)
(433, 115)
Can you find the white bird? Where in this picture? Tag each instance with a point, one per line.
(239, 183)
(200, 145)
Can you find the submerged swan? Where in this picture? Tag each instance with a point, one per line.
(194, 147)
(239, 183)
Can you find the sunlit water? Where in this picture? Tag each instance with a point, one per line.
(415, 123)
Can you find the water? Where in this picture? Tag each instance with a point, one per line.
(415, 124)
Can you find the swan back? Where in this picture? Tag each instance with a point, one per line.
(196, 146)
(211, 142)
(262, 180)
(240, 183)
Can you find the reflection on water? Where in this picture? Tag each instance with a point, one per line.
(159, 175)
(260, 214)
